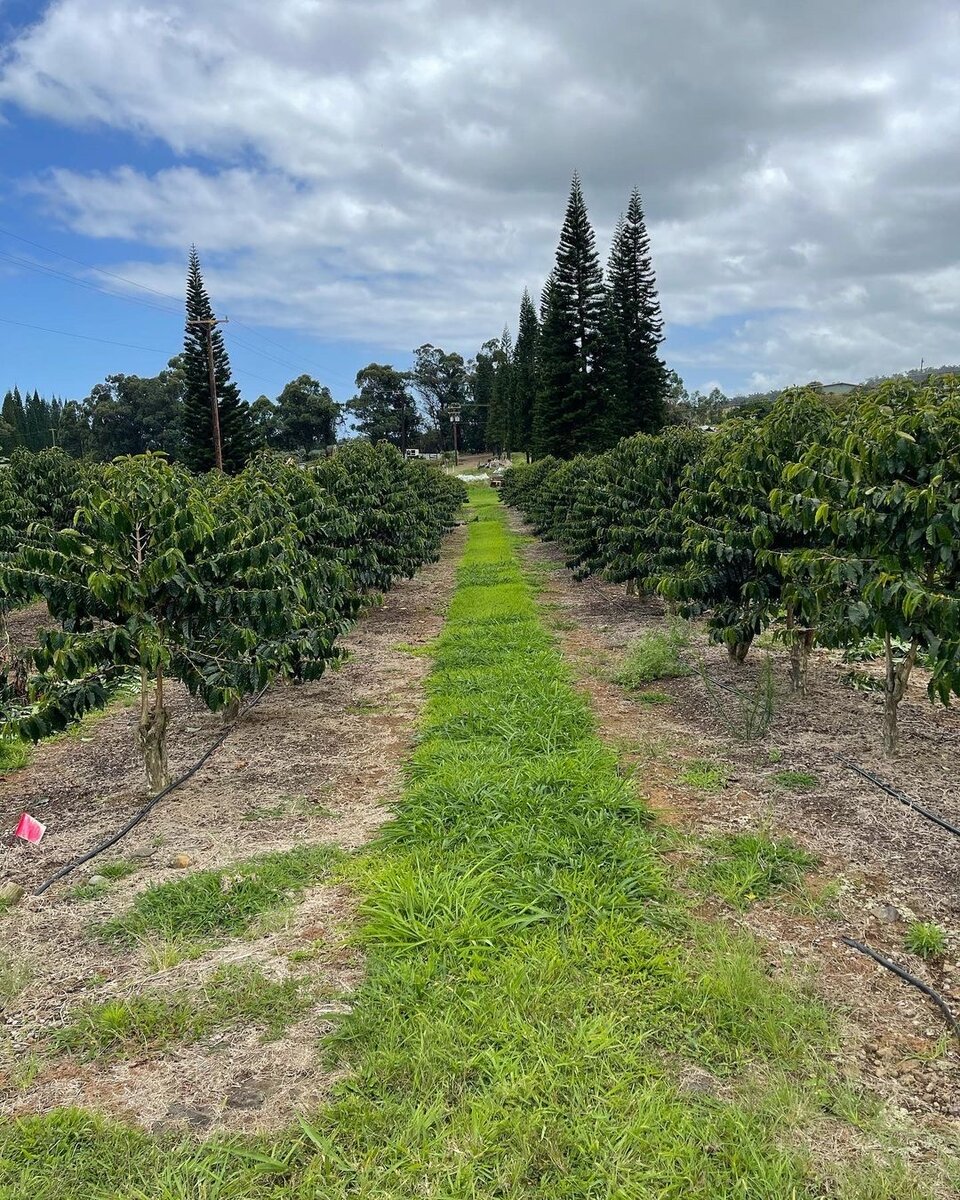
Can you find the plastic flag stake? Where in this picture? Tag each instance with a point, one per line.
(29, 828)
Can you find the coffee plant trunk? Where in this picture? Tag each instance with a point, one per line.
(738, 650)
(152, 730)
(801, 643)
(895, 686)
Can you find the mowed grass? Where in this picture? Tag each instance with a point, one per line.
(536, 989)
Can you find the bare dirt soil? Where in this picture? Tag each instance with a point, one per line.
(23, 625)
(887, 866)
(318, 763)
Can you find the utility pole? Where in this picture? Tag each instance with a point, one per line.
(209, 324)
(453, 412)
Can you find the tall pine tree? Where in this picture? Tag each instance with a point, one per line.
(570, 392)
(14, 420)
(236, 424)
(525, 357)
(499, 431)
(552, 432)
(635, 376)
(36, 423)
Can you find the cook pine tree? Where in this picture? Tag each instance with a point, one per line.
(636, 378)
(525, 355)
(500, 412)
(568, 416)
(236, 424)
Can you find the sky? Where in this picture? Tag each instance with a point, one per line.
(363, 176)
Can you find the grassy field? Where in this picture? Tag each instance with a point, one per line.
(544, 1013)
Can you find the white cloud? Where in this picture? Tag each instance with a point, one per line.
(395, 170)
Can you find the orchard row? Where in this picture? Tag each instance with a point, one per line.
(225, 583)
(834, 520)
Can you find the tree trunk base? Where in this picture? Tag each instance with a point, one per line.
(800, 647)
(152, 744)
(737, 651)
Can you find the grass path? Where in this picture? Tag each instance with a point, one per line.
(544, 1015)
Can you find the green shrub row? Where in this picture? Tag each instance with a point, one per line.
(835, 519)
(222, 582)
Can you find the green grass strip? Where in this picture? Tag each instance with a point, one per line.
(537, 1001)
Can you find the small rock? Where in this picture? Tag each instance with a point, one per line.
(185, 1113)
(885, 912)
(696, 1082)
(97, 879)
(244, 1096)
(11, 893)
(179, 861)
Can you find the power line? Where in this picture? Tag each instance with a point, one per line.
(83, 337)
(125, 345)
(88, 266)
(83, 283)
(155, 292)
(291, 366)
(324, 370)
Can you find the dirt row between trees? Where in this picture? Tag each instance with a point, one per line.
(881, 866)
(319, 763)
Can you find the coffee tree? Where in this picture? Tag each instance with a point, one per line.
(882, 502)
(648, 472)
(732, 537)
(401, 508)
(171, 577)
(49, 484)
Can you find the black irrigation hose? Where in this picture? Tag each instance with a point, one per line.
(898, 795)
(937, 999)
(152, 803)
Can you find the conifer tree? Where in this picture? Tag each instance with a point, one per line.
(570, 418)
(236, 424)
(482, 381)
(13, 419)
(525, 356)
(36, 424)
(636, 378)
(552, 431)
(499, 428)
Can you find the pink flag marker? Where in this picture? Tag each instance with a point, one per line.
(29, 828)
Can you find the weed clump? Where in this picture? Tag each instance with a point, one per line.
(15, 974)
(747, 867)
(209, 903)
(796, 781)
(14, 754)
(926, 940)
(152, 1020)
(654, 656)
(704, 776)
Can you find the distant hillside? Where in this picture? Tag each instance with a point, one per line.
(917, 376)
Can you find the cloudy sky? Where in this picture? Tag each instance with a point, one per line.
(362, 176)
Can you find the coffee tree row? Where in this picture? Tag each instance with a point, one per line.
(224, 583)
(834, 520)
